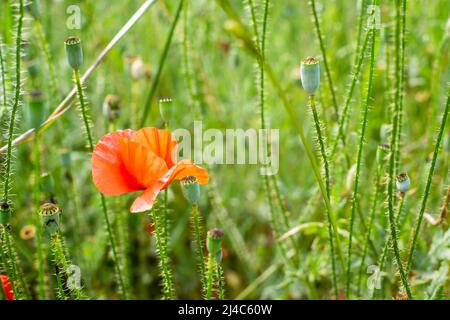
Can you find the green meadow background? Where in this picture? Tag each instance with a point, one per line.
(210, 77)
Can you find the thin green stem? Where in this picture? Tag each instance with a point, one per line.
(15, 106)
(168, 290)
(415, 234)
(44, 47)
(42, 291)
(161, 63)
(220, 281)
(391, 213)
(324, 56)
(196, 223)
(3, 75)
(87, 127)
(373, 209)
(63, 264)
(210, 276)
(323, 153)
(400, 42)
(355, 196)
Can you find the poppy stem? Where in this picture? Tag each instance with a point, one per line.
(220, 281)
(40, 255)
(373, 208)
(62, 264)
(415, 233)
(163, 259)
(196, 224)
(362, 134)
(85, 118)
(210, 276)
(323, 153)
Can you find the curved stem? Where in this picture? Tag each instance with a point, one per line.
(415, 234)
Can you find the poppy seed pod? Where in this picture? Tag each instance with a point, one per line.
(74, 52)
(403, 183)
(28, 232)
(50, 215)
(191, 189)
(214, 243)
(34, 9)
(310, 75)
(166, 109)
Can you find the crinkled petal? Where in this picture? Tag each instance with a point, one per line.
(161, 142)
(184, 169)
(108, 172)
(141, 163)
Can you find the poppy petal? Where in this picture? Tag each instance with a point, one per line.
(161, 142)
(7, 287)
(108, 171)
(184, 169)
(141, 163)
(146, 199)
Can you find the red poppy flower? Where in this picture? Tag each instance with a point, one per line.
(7, 287)
(128, 161)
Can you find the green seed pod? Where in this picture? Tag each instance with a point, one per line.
(214, 243)
(34, 9)
(50, 215)
(382, 153)
(310, 75)
(36, 111)
(403, 183)
(74, 52)
(111, 107)
(5, 213)
(191, 189)
(166, 109)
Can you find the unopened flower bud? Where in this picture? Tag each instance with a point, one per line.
(166, 109)
(74, 52)
(50, 215)
(214, 243)
(310, 75)
(191, 189)
(111, 107)
(403, 183)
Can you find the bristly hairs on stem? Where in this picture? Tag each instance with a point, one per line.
(9, 253)
(75, 59)
(164, 263)
(355, 195)
(415, 233)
